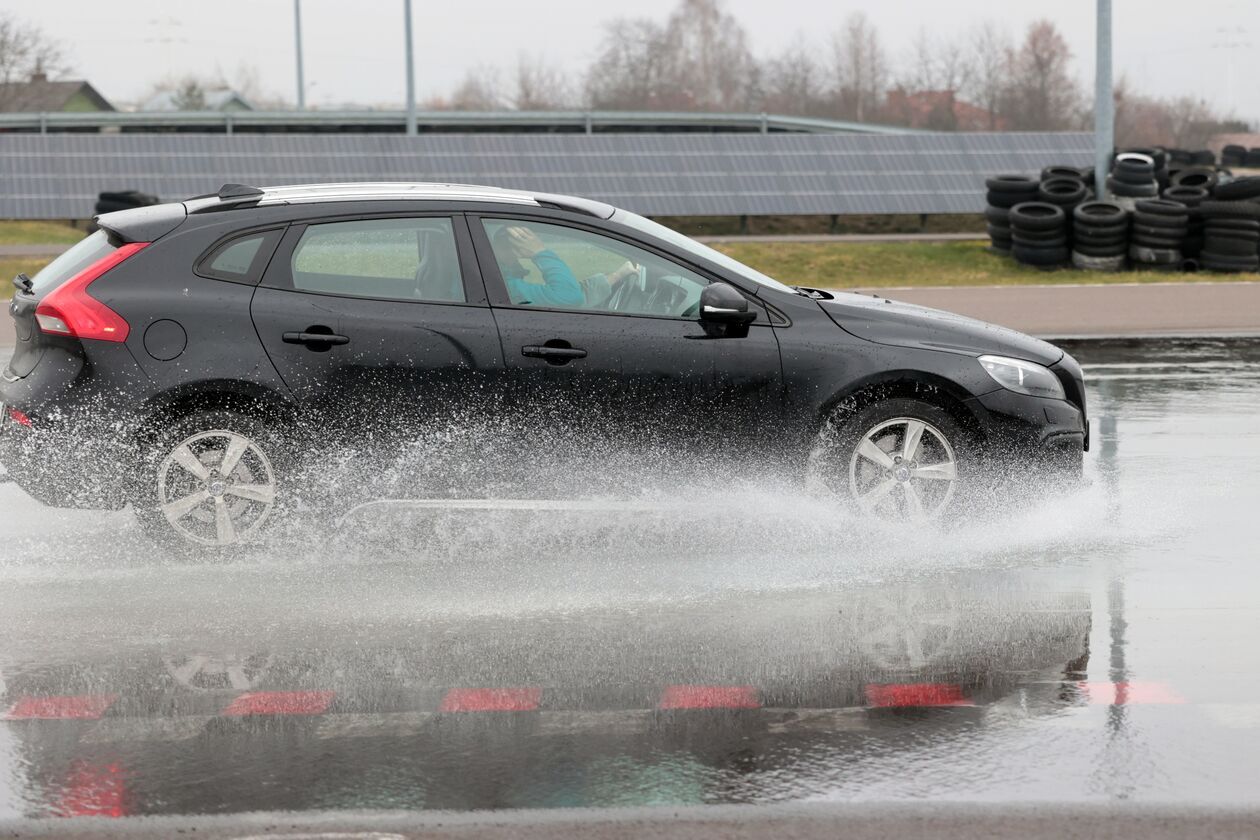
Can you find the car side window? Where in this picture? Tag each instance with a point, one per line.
(559, 267)
(398, 259)
(242, 259)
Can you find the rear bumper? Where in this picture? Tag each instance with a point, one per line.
(64, 469)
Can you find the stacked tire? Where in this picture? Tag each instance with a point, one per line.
(1132, 177)
(109, 201)
(1039, 234)
(1234, 155)
(1159, 230)
(1100, 237)
(1231, 236)
(1004, 192)
(1191, 197)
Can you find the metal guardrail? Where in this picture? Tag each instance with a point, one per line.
(580, 122)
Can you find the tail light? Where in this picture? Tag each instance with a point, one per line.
(19, 417)
(70, 310)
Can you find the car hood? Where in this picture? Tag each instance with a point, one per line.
(885, 321)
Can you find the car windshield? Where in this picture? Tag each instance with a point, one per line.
(699, 249)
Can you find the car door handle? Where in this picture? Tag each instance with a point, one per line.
(314, 338)
(538, 351)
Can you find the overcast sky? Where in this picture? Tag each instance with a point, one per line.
(354, 50)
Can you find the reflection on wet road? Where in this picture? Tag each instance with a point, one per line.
(1097, 646)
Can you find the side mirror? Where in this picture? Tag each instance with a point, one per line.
(724, 311)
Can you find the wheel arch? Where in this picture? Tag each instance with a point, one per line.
(930, 388)
(246, 398)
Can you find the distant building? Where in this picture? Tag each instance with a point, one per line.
(939, 110)
(42, 95)
(219, 99)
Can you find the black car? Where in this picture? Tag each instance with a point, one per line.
(192, 359)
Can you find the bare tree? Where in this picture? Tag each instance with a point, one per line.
(480, 90)
(938, 64)
(860, 69)
(25, 52)
(709, 57)
(540, 86)
(1042, 95)
(794, 82)
(988, 81)
(631, 70)
(1180, 122)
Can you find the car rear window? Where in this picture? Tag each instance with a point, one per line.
(81, 255)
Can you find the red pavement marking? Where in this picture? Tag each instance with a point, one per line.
(280, 703)
(710, 697)
(93, 790)
(491, 700)
(1127, 693)
(915, 695)
(80, 707)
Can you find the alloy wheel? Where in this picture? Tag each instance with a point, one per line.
(903, 469)
(216, 488)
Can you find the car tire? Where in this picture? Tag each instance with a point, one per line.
(1162, 207)
(1086, 262)
(846, 460)
(1229, 246)
(181, 498)
(1211, 261)
(1239, 189)
(997, 215)
(1017, 184)
(1037, 216)
(1118, 249)
(1229, 210)
(1040, 257)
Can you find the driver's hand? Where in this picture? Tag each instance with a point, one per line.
(624, 271)
(525, 241)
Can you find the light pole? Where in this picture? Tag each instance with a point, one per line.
(297, 34)
(1104, 104)
(411, 72)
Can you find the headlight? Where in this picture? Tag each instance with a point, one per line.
(1023, 377)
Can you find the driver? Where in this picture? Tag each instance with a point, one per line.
(560, 287)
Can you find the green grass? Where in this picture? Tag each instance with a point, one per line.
(848, 265)
(38, 233)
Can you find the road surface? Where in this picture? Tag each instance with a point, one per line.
(1080, 651)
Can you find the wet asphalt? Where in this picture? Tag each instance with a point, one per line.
(1097, 646)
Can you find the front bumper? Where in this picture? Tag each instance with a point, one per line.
(1050, 433)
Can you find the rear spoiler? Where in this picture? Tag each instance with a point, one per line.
(142, 224)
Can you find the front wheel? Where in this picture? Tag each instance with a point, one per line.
(210, 480)
(899, 460)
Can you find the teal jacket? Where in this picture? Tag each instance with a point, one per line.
(559, 286)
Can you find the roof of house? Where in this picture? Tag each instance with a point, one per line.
(919, 108)
(42, 94)
(218, 99)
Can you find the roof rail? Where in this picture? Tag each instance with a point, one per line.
(228, 191)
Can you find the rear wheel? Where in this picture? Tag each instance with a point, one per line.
(209, 481)
(899, 460)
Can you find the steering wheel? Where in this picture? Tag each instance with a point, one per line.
(624, 293)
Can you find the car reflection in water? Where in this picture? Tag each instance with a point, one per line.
(739, 699)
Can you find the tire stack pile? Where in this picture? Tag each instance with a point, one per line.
(1231, 236)
(1100, 236)
(1191, 197)
(1159, 231)
(1132, 177)
(108, 202)
(1004, 192)
(112, 200)
(1039, 234)
(1234, 155)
